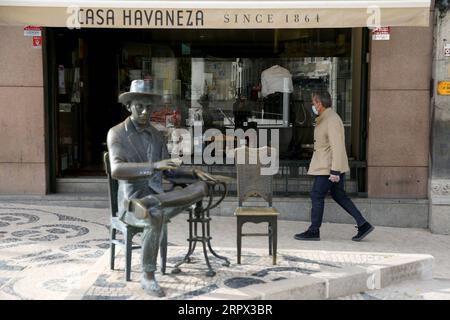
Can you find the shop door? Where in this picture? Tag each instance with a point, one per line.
(86, 102)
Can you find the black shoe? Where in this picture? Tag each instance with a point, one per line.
(363, 231)
(308, 235)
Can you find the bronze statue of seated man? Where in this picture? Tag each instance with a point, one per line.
(139, 160)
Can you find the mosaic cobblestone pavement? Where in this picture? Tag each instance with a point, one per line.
(192, 282)
(49, 252)
(44, 254)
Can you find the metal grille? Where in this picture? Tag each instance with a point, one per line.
(292, 179)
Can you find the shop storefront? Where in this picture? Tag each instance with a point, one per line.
(224, 65)
(221, 79)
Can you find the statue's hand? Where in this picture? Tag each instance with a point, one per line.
(167, 164)
(205, 176)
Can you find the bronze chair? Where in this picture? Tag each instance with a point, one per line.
(250, 183)
(127, 231)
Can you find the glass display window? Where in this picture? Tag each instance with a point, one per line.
(216, 79)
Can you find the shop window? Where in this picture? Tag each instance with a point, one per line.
(246, 79)
(221, 79)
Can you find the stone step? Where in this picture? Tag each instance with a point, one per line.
(403, 213)
(96, 185)
(83, 200)
(82, 185)
(340, 283)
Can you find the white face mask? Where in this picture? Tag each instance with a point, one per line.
(314, 109)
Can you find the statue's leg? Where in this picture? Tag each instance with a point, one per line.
(163, 248)
(169, 213)
(150, 246)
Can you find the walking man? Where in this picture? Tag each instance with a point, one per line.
(328, 166)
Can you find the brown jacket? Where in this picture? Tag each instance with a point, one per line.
(329, 145)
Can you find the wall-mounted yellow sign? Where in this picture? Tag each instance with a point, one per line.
(444, 88)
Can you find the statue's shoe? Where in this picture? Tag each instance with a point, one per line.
(138, 208)
(152, 288)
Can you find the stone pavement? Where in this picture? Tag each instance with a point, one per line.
(46, 251)
(55, 252)
(435, 289)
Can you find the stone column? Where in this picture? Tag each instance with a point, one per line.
(439, 196)
(22, 129)
(399, 114)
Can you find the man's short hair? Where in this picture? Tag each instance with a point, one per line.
(324, 97)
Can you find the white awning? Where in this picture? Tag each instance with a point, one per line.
(231, 14)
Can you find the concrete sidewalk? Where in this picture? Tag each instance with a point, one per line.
(55, 252)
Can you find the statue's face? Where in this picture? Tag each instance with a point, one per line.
(140, 111)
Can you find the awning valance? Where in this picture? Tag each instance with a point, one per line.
(207, 14)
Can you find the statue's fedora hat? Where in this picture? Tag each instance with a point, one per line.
(139, 89)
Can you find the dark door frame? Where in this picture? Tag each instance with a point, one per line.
(364, 90)
(49, 69)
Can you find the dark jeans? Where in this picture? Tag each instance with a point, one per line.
(319, 191)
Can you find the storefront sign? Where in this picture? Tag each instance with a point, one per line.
(444, 88)
(173, 18)
(32, 31)
(447, 50)
(208, 14)
(383, 33)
